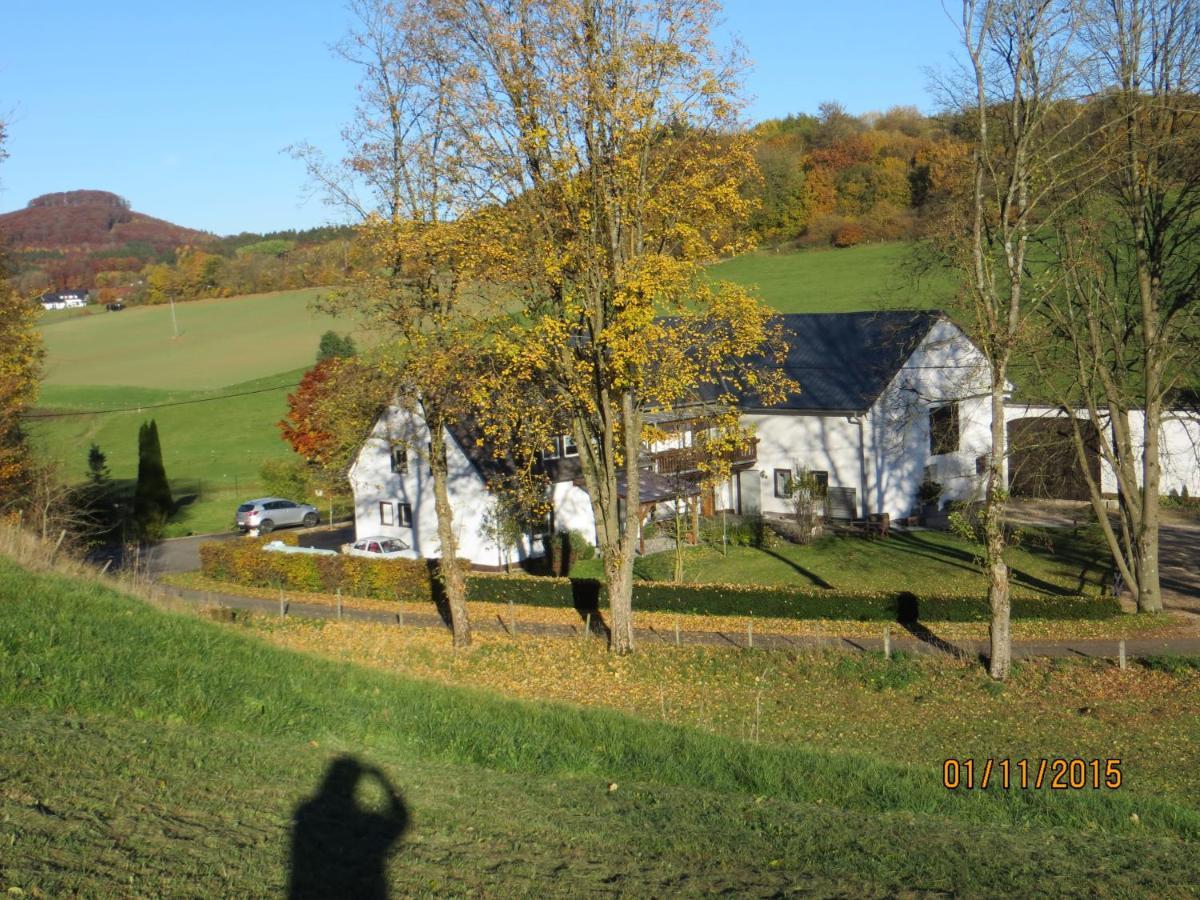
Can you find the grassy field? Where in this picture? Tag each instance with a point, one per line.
(212, 448)
(1057, 562)
(221, 342)
(873, 276)
(147, 753)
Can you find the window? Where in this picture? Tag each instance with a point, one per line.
(822, 481)
(943, 430)
(551, 452)
(400, 460)
(405, 510)
(981, 465)
(783, 483)
(386, 514)
(568, 446)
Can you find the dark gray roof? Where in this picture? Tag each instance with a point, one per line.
(843, 361)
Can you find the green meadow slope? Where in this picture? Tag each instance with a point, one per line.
(871, 276)
(220, 342)
(151, 753)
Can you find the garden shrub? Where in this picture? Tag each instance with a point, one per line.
(244, 562)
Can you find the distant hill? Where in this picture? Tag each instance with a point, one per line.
(87, 221)
(63, 240)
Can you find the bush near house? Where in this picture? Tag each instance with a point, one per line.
(243, 562)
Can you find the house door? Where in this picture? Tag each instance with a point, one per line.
(749, 493)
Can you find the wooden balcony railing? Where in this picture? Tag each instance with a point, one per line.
(688, 459)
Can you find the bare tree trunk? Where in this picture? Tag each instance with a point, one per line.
(620, 570)
(450, 571)
(1149, 589)
(999, 631)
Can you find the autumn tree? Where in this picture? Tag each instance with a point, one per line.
(605, 132)
(332, 411)
(401, 177)
(1018, 70)
(1127, 318)
(20, 364)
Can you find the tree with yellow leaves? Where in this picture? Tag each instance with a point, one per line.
(20, 364)
(415, 242)
(605, 134)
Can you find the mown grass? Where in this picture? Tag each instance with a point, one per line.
(213, 448)
(1048, 562)
(872, 276)
(162, 753)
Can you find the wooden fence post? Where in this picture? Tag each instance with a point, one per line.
(1121, 654)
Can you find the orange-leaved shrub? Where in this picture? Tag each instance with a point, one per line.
(245, 562)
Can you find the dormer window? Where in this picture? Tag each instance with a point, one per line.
(568, 446)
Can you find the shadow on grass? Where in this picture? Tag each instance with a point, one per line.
(585, 595)
(908, 615)
(340, 847)
(912, 543)
(799, 569)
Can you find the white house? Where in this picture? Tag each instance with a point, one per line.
(887, 400)
(64, 300)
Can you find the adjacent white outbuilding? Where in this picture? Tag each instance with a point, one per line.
(1043, 460)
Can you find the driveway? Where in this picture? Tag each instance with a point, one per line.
(183, 554)
(1179, 566)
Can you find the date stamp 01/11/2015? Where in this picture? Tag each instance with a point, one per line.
(1075, 774)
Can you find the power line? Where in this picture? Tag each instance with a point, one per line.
(144, 406)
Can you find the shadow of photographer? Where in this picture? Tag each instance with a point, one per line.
(339, 846)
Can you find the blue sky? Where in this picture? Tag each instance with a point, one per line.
(184, 108)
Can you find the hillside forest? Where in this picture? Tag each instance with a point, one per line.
(829, 179)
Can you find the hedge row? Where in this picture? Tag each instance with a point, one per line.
(245, 563)
(780, 602)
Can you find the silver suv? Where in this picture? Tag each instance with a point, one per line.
(268, 513)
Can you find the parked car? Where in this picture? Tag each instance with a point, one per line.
(115, 306)
(376, 548)
(268, 513)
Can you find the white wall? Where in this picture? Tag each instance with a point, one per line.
(373, 482)
(945, 368)
(821, 443)
(573, 510)
(1179, 445)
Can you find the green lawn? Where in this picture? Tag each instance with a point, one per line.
(147, 753)
(873, 276)
(1049, 561)
(221, 342)
(212, 449)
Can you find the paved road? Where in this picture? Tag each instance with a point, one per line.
(910, 639)
(183, 554)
